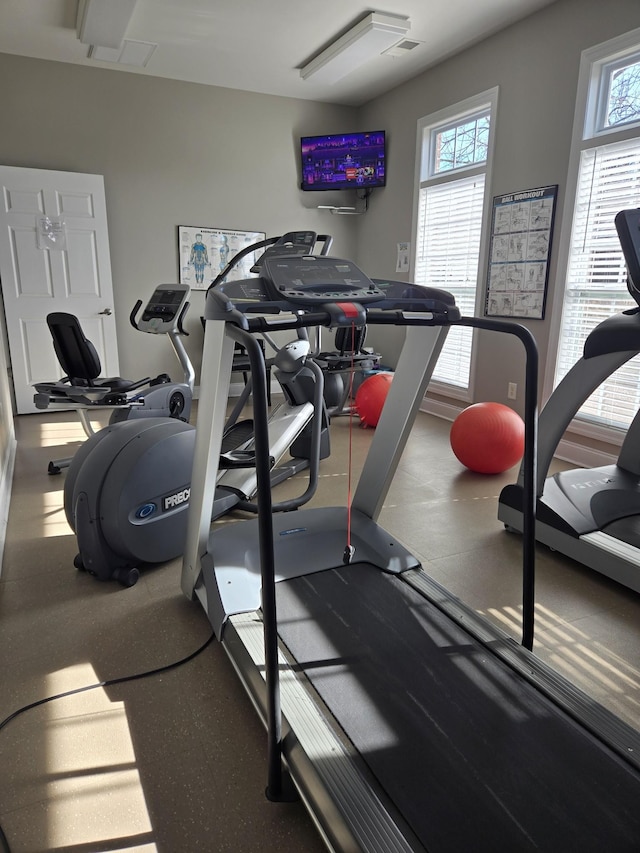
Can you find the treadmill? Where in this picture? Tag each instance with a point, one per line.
(403, 720)
(592, 514)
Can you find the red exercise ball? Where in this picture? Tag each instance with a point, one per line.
(370, 398)
(488, 438)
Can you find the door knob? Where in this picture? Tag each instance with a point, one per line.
(106, 311)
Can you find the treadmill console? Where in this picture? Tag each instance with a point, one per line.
(325, 283)
(317, 279)
(293, 243)
(162, 312)
(628, 227)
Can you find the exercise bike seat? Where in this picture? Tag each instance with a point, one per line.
(349, 350)
(78, 356)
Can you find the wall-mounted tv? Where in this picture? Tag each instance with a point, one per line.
(343, 161)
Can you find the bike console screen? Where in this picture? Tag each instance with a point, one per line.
(164, 306)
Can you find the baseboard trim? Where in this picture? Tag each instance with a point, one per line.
(583, 457)
(440, 409)
(6, 482)
(236, 388)
(568, 451)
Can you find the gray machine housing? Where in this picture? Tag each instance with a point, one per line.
(127, 488)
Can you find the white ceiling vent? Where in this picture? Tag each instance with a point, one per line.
(402, 47)
(131, 52)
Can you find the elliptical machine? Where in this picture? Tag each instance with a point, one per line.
(126, 494)
(83, 390)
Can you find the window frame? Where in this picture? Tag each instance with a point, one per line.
(603, 60)
(596, 64)
(483, 102)
(432, 175)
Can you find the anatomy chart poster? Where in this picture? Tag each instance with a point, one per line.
(205, 252)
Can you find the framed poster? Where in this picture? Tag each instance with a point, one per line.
(204, 252)
(521, 232)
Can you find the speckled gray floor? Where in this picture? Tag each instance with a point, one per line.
(176, 762)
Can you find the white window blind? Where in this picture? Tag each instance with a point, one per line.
(608, 181)
(447, 254)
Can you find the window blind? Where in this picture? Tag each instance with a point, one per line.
(447, 252)
(608, 181)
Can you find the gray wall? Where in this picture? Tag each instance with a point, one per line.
(535, 64)
(172, 154)
(178, 153)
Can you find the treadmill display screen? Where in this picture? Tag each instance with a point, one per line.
(317, 279)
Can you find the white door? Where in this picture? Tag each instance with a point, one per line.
(54, 256)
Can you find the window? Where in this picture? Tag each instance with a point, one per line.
(622, 102)
(606, 170)
(464, 144)
(453, 163)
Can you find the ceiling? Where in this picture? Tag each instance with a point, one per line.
(260, 45)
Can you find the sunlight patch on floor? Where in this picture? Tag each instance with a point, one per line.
(93, 786)
(589, 665)
(54, 519)
(59, 433)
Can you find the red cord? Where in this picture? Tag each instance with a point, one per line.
(351, 414)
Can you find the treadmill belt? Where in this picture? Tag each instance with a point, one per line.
(472, 755)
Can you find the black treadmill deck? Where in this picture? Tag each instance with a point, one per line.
(473, 756)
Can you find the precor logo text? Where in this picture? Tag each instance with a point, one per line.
(176, 499)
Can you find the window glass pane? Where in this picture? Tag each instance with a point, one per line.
(623, 103)
(465, 144)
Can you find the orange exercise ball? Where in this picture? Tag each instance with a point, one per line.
(370, 398)
(488, 438)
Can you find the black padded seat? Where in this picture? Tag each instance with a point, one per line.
(349, 349)
(78, 356)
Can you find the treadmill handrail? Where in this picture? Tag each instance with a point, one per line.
(529, 463)
(266, 534)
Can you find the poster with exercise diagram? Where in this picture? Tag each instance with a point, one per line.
(205, 252)
(521, 232)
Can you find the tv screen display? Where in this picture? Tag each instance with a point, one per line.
(343, 161)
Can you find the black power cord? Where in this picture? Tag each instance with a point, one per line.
(4, 844)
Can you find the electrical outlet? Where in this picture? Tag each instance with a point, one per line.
(512, 391)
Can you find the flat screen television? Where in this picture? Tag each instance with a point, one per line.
(343, 161)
